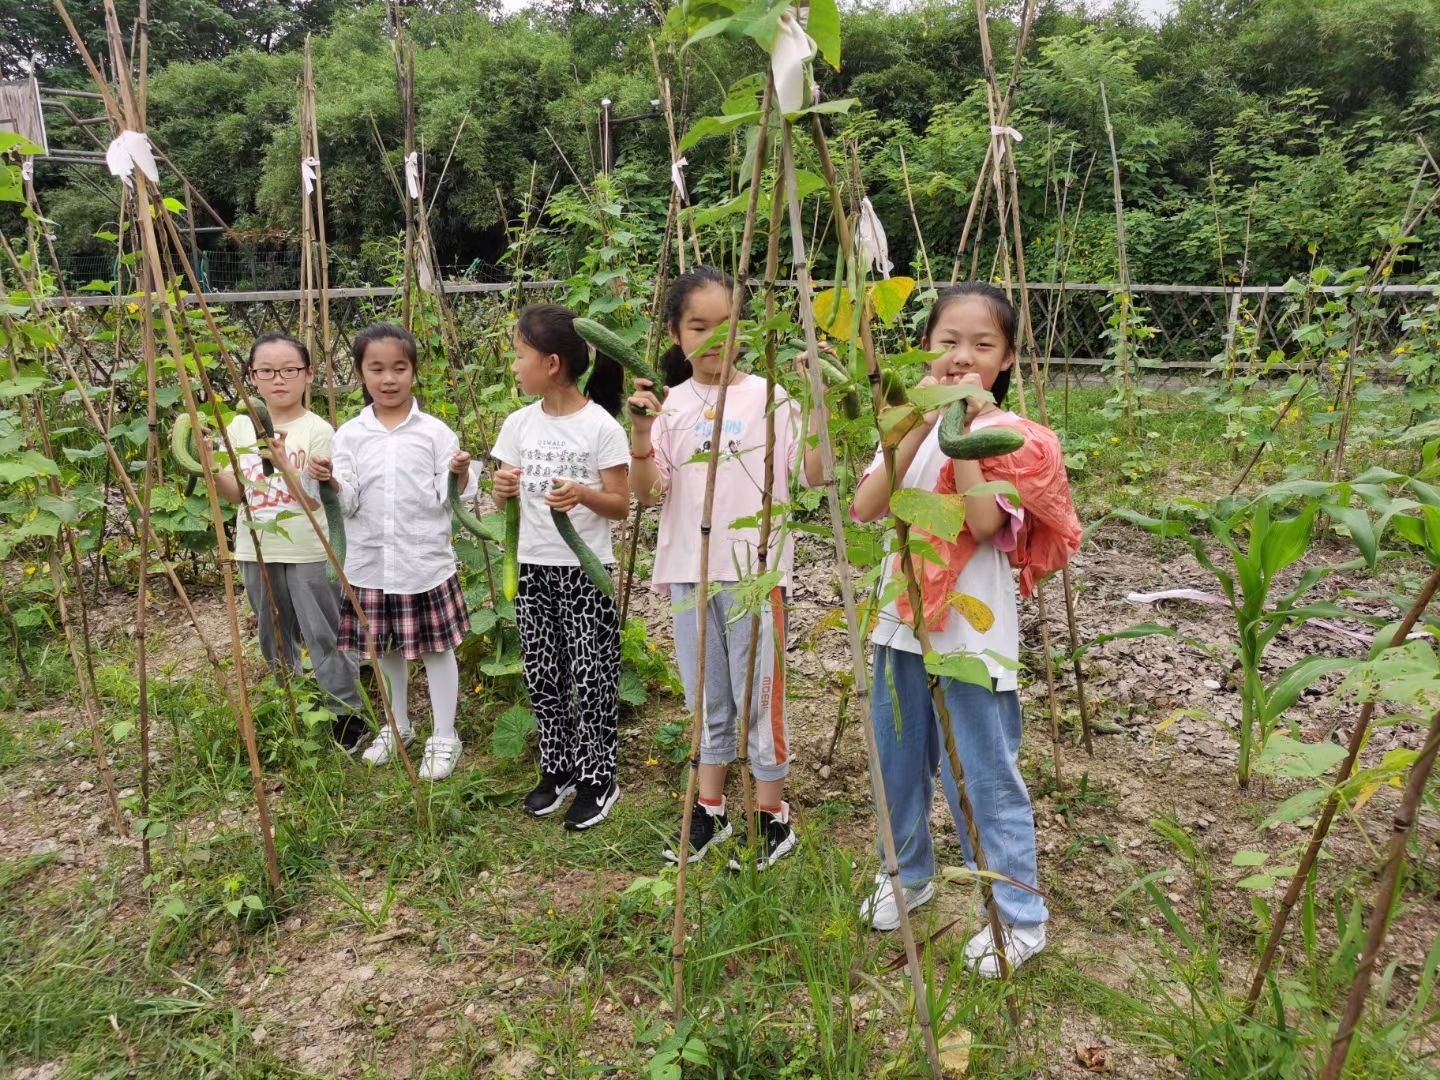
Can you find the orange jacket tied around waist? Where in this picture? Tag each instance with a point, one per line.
(1048, 537)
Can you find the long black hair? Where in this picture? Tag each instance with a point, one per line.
(674, 364)
(271, 337)
(1005, 318)
(550, 330)
(383, 332)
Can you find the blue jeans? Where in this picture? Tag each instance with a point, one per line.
(987, 736)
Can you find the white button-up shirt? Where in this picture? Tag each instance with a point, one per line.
(394, 491)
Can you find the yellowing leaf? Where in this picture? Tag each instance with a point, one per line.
(976, 612)
(888, 297)
(940, 515)
(1365, 793)
(835, 313)
(955, 1054)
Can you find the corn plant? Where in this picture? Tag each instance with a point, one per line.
(1259, 539)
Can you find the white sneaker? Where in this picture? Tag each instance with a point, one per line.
(1022, 942)
(880, 909)
(383, 748)
(441, 754)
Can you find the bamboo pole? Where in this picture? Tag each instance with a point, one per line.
(801, 270)
(1332, 802)
(1122, 268)
(129, 118)
(1402, 826)
(767, 505)
(327, 343)
(1010, 193)
(142, 592)
(915, 220)
(702, 589)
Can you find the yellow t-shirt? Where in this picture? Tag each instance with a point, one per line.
(290, 539)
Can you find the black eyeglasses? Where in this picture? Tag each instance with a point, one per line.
(269, 374)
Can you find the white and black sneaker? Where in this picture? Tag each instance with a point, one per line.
(549, 795)
(706, 830)
(774, 836)
(592, 805)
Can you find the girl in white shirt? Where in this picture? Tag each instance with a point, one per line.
(566, 453)
(391, 467)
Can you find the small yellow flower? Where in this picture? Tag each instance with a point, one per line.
(1400, 350)
(1096, 453)
(1114, 440)
(550, 913)
(479, 689)
(1385, 271)
(1311, 247)
(50, 345)
(1329, 408)
(30, 571)
(133, 308)
(1343, 354)
(652, 761)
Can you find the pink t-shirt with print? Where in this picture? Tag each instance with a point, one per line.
(682, 438)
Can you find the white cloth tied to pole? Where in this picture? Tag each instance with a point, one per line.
(793, 49)
(677, 177)
(412, 173)
(1007, 133)
(128, 151)
(870, 236)
(310, 171)
(27, 169)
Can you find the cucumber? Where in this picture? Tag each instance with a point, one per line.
(510, 575)
(463, 512)
(989, 442)
(334, 521)
(892, 386)
(182, 447)
(832, 374)
(604, 340)
(593, 567)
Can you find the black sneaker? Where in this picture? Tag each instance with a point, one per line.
(706, 829)
(549, 795)
(592, 805)
(777, 839)
(352, 733)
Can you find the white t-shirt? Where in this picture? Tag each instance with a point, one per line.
(269, 497)
(548, 448)
(987, 577)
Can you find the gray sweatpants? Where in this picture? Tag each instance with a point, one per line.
(307, 606)
(727, 649)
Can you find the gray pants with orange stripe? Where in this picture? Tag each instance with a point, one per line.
(727, 654)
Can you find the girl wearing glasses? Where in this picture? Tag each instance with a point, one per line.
(291, 594)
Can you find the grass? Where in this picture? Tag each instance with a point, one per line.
(106, 975)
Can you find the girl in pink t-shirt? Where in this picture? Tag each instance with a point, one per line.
(670, 444)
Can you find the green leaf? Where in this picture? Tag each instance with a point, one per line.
(940, 515)
(1284, 756)
(13, 142)
(935, 397)
(175, 206)
(1295, 679)
(1357, 524)
(1286, 541)
(512, 729)
(1137, 631)
(1296, 807)
(1249, 858)
(963, 667)
(26, 465)
(25, 384)
(995, 487)
(823, 25)
(707, 126)
(1256, 881)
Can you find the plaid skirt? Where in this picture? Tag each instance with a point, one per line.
(425, 622)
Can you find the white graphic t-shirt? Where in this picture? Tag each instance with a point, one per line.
(548, 448)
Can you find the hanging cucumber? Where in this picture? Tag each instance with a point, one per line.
(986, 443)
(182, 447)
(334, 521)
(593, 567)
(606, 341)
(510, 575)
(892, 386)
(463, 513)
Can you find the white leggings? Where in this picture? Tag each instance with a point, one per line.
(442, 672)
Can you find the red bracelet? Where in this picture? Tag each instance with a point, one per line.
(642, 457)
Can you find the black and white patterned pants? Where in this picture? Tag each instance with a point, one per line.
(570, 638)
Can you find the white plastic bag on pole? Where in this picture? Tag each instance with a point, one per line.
(677, 177)
(309, 170)
(128, 151)
(412, 173)
(1005, 133)
(870, 236)
(793, 50)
